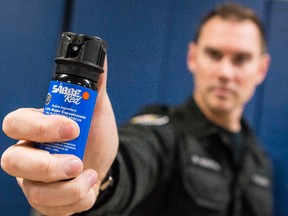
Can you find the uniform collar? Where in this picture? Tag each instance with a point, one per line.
(197, 124)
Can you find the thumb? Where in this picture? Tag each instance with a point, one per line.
(102, 82)
(102, 144)
(103, 105)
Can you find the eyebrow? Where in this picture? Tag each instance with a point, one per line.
(217, 51)
(211, 50)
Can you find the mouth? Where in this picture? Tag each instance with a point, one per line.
(222, 92)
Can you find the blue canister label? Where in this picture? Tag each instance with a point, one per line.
(75, 102)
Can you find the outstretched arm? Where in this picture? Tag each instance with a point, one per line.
(41, 174)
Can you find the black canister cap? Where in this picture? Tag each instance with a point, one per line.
(81, 55)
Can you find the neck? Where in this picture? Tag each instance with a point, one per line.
(230, 120)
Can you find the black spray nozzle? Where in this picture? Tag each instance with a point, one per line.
(81, 55)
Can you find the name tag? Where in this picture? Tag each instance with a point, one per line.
(206, 163)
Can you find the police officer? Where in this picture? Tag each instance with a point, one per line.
(200, 158)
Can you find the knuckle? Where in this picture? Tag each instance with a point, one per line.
(78, 192)
(47, 169)
(10, 123)
(42, 128)
(7, 124)
(7, 164)
(83, 205)
(90, 201)
(35, 196)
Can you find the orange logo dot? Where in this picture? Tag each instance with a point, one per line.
(85, 95)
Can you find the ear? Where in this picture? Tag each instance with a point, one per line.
(263, 67)
(191, 56)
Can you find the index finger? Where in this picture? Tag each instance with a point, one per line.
(31, 124)
(24, 161)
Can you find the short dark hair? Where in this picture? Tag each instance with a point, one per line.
(234, 11)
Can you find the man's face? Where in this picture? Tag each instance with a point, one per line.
(227, 63)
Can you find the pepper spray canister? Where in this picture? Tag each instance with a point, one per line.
(73, 88)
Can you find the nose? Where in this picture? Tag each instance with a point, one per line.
(226, 70)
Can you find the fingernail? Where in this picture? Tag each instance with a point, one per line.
(73, 167)
(92, 178)
(66, 131)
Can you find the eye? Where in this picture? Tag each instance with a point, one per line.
(241, 59)
(214, 54)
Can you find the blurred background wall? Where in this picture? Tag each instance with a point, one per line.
(147, 45)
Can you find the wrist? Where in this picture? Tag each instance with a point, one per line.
(108, 185)
(107, 181)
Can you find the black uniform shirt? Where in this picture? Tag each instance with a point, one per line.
(173, 161)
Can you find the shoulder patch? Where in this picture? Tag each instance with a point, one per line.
(261, 180)
(150, 119)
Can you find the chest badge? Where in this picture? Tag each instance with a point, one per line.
(150, 119)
